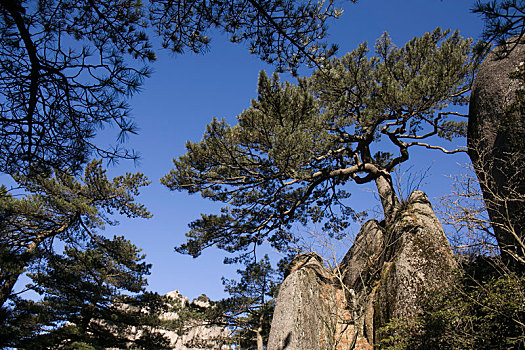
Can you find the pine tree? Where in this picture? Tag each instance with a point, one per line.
(83, 304)
(50, 232)
(504, 21)
(69, 67)
(249, 308)
(293, 151)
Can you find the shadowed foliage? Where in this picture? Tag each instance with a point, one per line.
(67, 68)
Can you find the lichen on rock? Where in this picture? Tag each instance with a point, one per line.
(496, 142)
(421, 262)
(388, 273)
(304, 309)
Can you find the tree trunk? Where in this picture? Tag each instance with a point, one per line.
(388, 197)
(260, 343)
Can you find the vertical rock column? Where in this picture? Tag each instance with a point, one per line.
(306, 305)
(362, 265)
(388, 273)
(419, 262)
(496, 141)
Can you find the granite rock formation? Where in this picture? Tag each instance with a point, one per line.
(362, 267)
(496, 141)
(304, 308)
(196, 335)
(387, 274)
(418, 261)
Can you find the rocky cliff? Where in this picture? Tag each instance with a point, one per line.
(496, 141)
(385, 276)
(196, 335)
(305, 316)
(192, 334)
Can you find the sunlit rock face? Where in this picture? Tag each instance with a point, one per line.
(192, 334)
(306, 308)
(196, 335)
(496, 141)
(418, 261)
(386, 275)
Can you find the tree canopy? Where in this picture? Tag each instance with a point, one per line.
(292, 152)
(249, 308)
(84, 305)
(504, 19)
(51, 229)
(68, 67)
(67, 70)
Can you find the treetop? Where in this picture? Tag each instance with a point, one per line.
(291, 153)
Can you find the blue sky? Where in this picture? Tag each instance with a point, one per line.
(186, 91)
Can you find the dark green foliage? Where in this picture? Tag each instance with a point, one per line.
(246, 313)
(504, 19)
(83, 301)
(291, 153)
(190, 315)
(484, 310)
(68, 67)
(49, 230)
(249, 308)
(59, 208)
(282, 32)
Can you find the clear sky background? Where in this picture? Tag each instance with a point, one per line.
(186, 91)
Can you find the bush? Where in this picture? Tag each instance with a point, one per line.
(484, 309)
